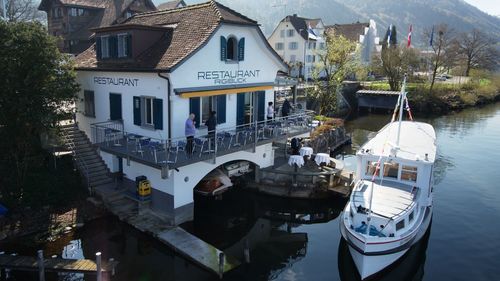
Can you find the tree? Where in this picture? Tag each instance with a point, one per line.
(394, 36)
(22, 10)
(394, 62)
(335, 62)
(38, 89)
(476, 50)
(441, 38)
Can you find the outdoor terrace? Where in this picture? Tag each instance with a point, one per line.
(173, 153)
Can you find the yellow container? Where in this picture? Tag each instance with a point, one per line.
(144, 188)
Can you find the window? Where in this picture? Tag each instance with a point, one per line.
(322, 46)
(278, 46)
(81, 12)
(410, 217)
(371, 167)
(282, 33)
(208, 105)
(290, 32)
(293, 45)
(128, 14)
(73, 12)
(309, 58)
(231, 48)
(400, 225)
(122, 45)
(105, 46)
(89, 104)
(148, 111)
(311, 45)
(391, 169)
(57, 12)
(293, 58)
(409, 173)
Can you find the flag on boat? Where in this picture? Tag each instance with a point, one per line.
(310, 33)
(432, 36)
(409, 37)
(389, 36)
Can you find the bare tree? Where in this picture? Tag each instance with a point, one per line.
(394, 62)
(475, 50)
(442, 37)
(22, 10)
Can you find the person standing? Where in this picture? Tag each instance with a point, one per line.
(211, 123)
(190, 131)
(285, 108)
(270, 111)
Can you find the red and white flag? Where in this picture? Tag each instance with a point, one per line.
(409, 37)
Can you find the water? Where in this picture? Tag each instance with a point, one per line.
(297, 240)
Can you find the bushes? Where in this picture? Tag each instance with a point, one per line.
(327, 124)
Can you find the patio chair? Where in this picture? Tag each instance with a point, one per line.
(199, 143)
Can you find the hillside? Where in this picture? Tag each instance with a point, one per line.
(421, 13)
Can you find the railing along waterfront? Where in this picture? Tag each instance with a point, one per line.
(176, 152)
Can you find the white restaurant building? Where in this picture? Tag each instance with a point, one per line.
(143, 77)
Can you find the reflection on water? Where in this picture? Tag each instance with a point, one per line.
(300, 239)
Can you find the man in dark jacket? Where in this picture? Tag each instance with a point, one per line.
(211, 123)
(285, 108)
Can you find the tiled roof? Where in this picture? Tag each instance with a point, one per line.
(301, 25)
(193, 27)
(350, 31)
(171, 5)
(85, 3)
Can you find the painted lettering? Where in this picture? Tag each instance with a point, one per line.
(222, 77)
(116, 81)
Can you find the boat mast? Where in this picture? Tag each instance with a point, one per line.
(402, 97)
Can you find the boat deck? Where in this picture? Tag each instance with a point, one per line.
(389, 199)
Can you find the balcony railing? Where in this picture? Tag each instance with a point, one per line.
(176, 152)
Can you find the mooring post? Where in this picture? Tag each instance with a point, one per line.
(246, 252)
(111, 261)
(98, 265)
(41, 266)
(221, 264)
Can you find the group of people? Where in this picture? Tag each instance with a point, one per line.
(211, 123)
(285, 109)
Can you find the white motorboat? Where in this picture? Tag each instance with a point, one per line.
(390, 207)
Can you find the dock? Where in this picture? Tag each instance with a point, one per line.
(140, 216)
(85, 266)
(198, 251)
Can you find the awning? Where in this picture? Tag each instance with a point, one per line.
(222, 90)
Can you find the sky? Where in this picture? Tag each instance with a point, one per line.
(491, 7)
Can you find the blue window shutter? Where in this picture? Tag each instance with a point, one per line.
(129, 45)
(158, 114)
(113, 46)
(137, 111)
(221, 109)
(223, 48)
(241, 49)
(261, 105)
(98, 48)
(194, 107)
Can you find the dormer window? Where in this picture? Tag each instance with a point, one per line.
(128, 14)
(114, 46)
(105, 47)
(232, 49)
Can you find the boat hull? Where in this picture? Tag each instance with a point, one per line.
(371, 260)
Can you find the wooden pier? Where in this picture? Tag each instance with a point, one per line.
(198, 251)
(42, 265)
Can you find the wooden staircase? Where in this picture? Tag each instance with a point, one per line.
(85, 156)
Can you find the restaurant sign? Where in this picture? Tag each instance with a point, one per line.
(116, 81)
(224, 77)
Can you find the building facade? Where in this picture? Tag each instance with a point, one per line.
(298, 41)
(364, 34)
(142, 78)
(72, 20)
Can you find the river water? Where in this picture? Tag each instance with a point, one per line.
(298, 240)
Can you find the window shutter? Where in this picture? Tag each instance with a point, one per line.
(158, 114)
(98, 50)
(129, 45)
(241, 49)
(137, 111)
(221, 109)
(261, 105)
(194, 107)
(223, 48)
(113, 46)
(240, 109)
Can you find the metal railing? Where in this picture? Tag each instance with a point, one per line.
(111, 137)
